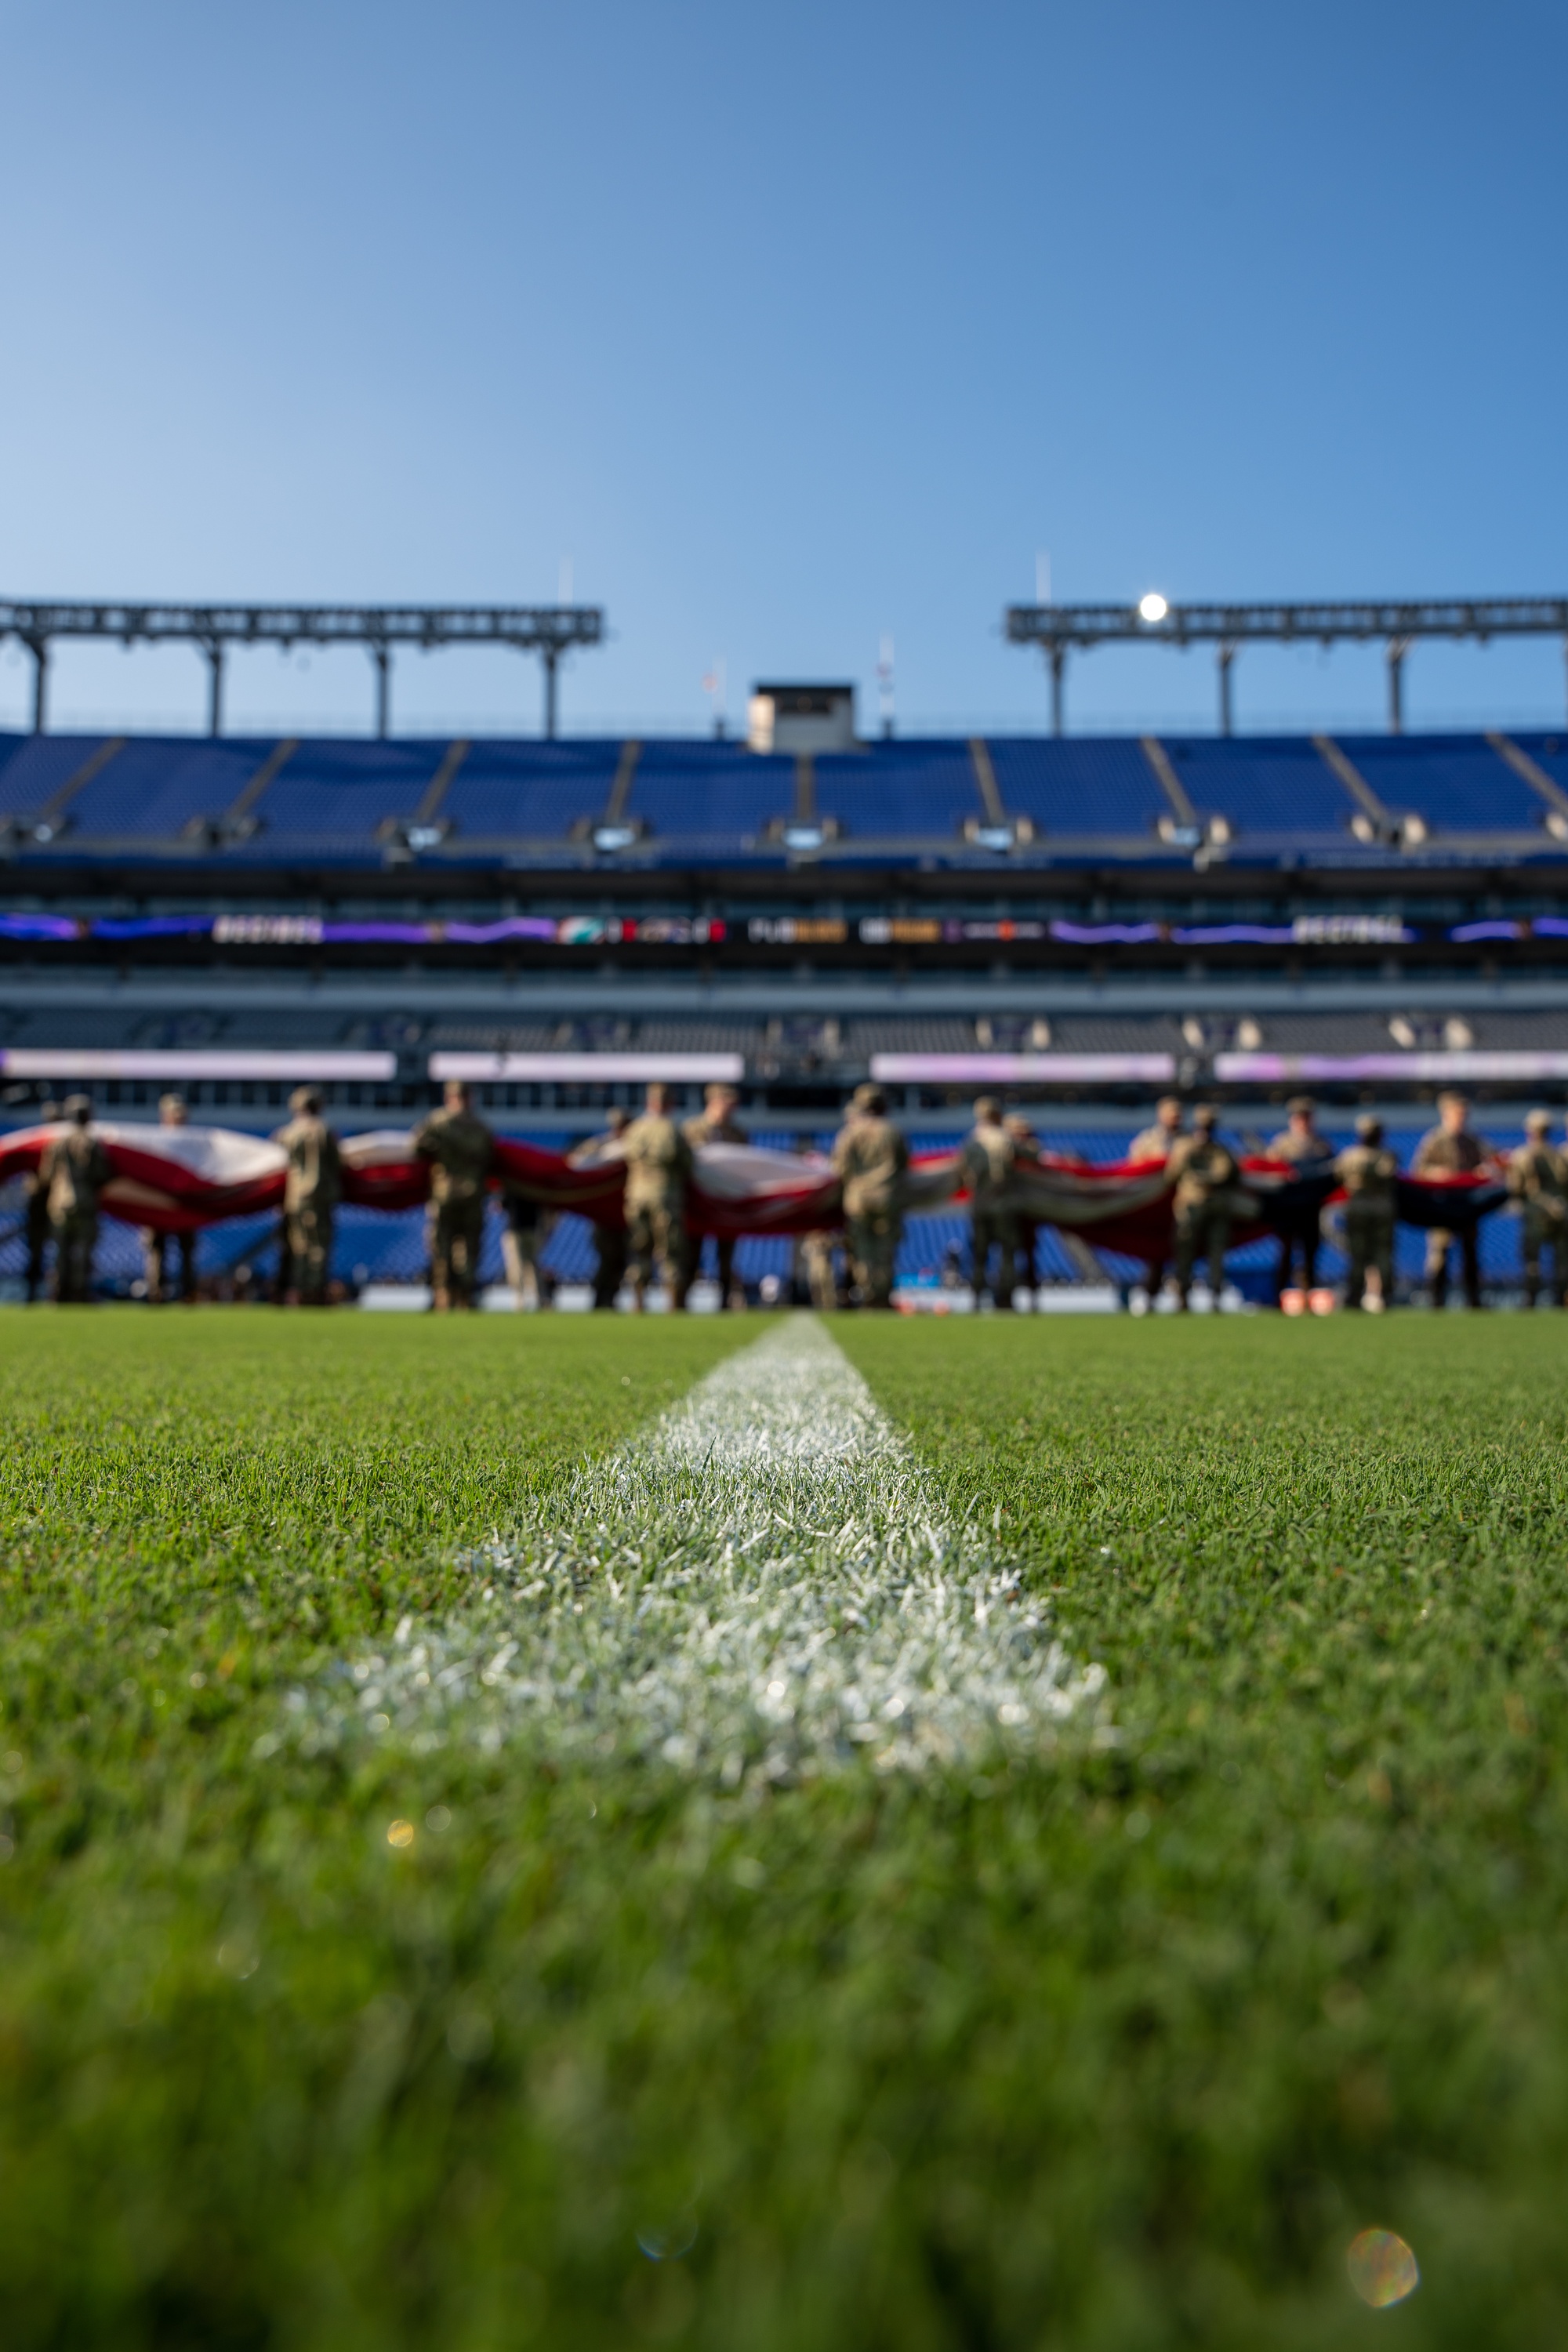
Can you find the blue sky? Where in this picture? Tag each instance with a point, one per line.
(789, 328)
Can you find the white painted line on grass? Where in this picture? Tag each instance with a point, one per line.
(762, 1585)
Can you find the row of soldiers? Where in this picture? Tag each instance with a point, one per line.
(658, 1153)
(870, 1155)
(1208, 1184)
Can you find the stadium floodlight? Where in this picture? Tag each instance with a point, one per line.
(1059, 629)
(551, 631)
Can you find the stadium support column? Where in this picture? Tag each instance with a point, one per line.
(1225, 655)
(213, 648)
(38, 646)
(550, 656)
(1397, 649)
(1057, 654)
(381, 655)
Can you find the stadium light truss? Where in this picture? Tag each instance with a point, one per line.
(1059, 628)
(548, 630)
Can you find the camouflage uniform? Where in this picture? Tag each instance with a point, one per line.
(529, 1226)
(158, 1249)
(1203, 1172)
(1439, 1154)
(609, 1241)
(38, 1220)
(1152, 1144)
(815, 1269)
(658, 1170)
(1026, 1153)
(718, 1127)
(461, 1148)
(988, 1159)
(1368, 1171)
(870, 1155)
(312, 1188)
(73, 1173)
(1299, 1234)
(1538, 1176)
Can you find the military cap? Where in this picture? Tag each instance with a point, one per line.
(870, 1097)
(1368, 1128)
(1206, 1115)
(989, 1108)
(1538, 1122)
(305, 1099)
(79, 1107)
(1300, 1106)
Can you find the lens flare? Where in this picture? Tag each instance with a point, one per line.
(1383, 2270)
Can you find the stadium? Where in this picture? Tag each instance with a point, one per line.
(783, 1180)
(1076, 923)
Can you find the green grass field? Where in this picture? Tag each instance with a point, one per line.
(1115, 2049)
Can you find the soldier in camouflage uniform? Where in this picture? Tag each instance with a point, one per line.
(871, 1157)
(813, 1273)
(1302, 1147)
(37, 1219)
(158, 1248)
(609, 1241)
(73, 1171)
(1368, 1171)
(1204, 1174)
(461, 1150)
(1025, 1155)
(1538, 1176)
(1156, 1143)
(987, 1159)
(1451, 1150)
(658, 1170)
(719, 1124)
(313, 1187)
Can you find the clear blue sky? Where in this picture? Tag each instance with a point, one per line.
(789, 327)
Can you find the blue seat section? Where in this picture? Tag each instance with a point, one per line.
(9, 747)
(155, 788)
(1548, 752)
(1457, 782)
(329, 794)
(1084, 785)
(38, 767)
(902, 788)
(537, 789)
(1275, 785)
(717, 795)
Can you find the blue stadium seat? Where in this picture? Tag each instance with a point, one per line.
(910, 790)
(38, 768)
(716, 798)
(538, 791)
(1457, 782)
(331, 797)
(1086, 785)
(155, 788)
(1277, 786)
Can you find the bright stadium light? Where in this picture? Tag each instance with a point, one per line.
(1153, 607)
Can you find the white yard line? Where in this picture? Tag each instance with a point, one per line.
(761, 1586)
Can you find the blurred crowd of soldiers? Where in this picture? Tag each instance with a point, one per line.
(872, 1157)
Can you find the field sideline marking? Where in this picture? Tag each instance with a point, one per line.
(762, 1584)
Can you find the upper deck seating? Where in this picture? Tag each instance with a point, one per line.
(709, 799)
(532, 791)
(1280, 787)
(1459, 783)
(1091, 786)
(910, 791)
